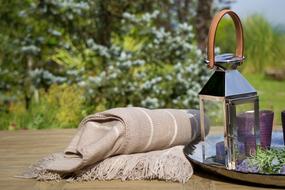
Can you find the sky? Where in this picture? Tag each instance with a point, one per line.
(272, 10)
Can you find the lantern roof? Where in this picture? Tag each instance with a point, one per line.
(227, 83)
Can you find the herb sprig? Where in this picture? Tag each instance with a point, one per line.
(268, 161)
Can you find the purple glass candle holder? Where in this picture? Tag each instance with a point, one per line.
(265, 125)
(245, 123)
(283, 126)
(250, 145)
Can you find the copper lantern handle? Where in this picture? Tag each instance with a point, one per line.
(212, 35)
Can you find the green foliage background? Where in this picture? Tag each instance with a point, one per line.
(264, 44)
(61, 60)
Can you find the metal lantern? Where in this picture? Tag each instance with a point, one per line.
(229, 104)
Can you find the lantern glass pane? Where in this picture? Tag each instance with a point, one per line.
(214, 151)
(243, 131)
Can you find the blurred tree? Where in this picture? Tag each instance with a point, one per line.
(202, 22)
(48, 41)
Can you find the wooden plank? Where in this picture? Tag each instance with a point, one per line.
(19, 149)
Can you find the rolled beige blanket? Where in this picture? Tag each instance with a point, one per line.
(125, 131)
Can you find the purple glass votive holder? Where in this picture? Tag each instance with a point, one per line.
(265, 127)
(250, 145)
(283, 127)
(245, 123)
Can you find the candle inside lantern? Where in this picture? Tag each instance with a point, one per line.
(220, 152)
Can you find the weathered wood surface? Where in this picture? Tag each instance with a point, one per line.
(18, 149)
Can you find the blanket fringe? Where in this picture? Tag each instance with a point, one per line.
(169, 165)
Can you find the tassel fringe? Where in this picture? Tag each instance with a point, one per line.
(169, 165)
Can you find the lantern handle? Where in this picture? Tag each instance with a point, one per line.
(212, 35)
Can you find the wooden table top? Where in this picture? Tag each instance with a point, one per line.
(19, 149)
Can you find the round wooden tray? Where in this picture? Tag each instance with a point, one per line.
(194, 156)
